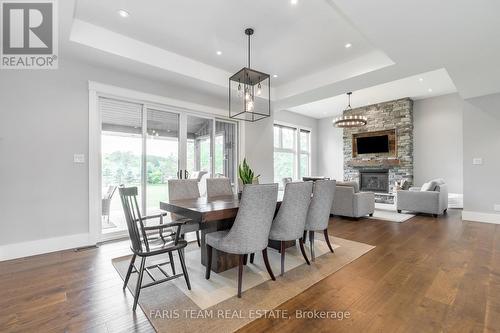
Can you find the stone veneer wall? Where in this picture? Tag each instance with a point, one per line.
(397, 114)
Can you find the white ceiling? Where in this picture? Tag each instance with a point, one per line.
(420, 86)
(289, 40)
(393, 41)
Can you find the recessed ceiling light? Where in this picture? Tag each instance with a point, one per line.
(421, 79)
(294, 2)
(123, 13)
(275, 75)
(219, 52)
(429, 90)
(348, 45)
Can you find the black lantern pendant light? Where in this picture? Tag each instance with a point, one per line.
(249, 92)
(345, 121)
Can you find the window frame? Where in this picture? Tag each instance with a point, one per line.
(297, 147)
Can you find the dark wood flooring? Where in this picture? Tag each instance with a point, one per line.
(425, 275)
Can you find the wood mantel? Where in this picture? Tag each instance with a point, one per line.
(385, 162)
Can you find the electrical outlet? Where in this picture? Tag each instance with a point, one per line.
(78, 158)
(477, 161)
(496, 208)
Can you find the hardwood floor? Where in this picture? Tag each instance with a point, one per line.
(424, 275)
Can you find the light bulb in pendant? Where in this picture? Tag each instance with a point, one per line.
(247, 96)
(259, 90)
(249, 106)
(239, 90)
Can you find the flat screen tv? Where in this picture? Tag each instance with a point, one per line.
(373, 144)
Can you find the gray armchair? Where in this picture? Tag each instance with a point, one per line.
(432, 198)
(352, 203)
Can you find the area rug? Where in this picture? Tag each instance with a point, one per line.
(212, 306)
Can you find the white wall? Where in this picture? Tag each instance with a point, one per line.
(438, 140)
(482, 140)
(330, 150)
(259, 148)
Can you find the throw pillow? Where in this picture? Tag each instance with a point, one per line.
(430, 186)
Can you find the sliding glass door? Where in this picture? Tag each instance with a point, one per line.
(139, 147)
(146, 146)
(161, 154)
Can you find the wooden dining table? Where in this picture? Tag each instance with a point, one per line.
(213, 214)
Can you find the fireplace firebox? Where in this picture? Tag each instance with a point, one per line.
(371, 180)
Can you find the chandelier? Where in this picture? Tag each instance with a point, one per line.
(345, 121)
(249, 92)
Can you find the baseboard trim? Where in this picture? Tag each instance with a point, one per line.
(480, 217)
(42, 246)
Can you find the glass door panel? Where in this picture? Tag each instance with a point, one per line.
(162, 156)
(199, 148)
(225, 150)
(121, 158)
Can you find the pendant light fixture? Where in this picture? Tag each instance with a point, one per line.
(249, 92)
(346, 121)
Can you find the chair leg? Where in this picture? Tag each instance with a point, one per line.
(139, 283)
(327, 239)
(184, 269)
(198, 238)
(304, 237)
(240, 274)
(301, 243)
(268, 267)
(252, 255)
(245, 259)
(172, 264)
(129, 271)
(282, 250)
(209, 262)
(311, 244)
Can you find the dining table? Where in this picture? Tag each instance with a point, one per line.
(213, 214)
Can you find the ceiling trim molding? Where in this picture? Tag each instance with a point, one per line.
(99, 38)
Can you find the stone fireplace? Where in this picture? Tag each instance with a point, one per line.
(374, 180)
(379, 172)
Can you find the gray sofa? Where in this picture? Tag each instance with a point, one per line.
(352, 203)
(431, 198)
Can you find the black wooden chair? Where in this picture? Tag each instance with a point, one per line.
(145, 245)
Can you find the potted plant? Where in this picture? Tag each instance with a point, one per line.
(246, 175)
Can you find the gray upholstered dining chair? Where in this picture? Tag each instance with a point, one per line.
(219, 187)
(179, 189)
(289, 223)
(144, 246)
(318, 214)
(250, 231)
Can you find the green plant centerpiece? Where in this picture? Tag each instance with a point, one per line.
(246, 175)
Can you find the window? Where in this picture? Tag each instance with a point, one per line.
(305, 153)
(292, 157)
